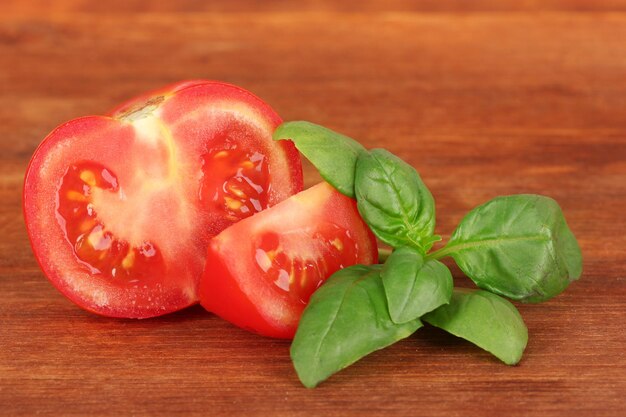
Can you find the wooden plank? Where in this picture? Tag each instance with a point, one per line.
(480, 103)
(235, 6)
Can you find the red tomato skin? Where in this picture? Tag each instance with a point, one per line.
(217, 281)
(174, 300)
(71, 127)
(289, 148)
(167, 90)
(221, 289)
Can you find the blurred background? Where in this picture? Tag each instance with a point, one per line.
(439, 82)
(483, 98)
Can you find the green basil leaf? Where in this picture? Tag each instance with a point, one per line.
(393, 200)
(346, 319)
(414, 286)
(333, 154)
(485, 319)
(517, 246)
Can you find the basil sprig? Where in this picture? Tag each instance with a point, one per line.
(333, 154)
(414, 286)
(517, 246)
(347, 318)
(485, 319)
(393, 201)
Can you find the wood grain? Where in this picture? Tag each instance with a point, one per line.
(493, 98)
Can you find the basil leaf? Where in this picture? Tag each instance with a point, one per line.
(346, 319)
(485, 319)
(517, 246)
(414, 287)
(333, 154)
(393, 200)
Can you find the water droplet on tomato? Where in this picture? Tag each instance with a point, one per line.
(282, 281)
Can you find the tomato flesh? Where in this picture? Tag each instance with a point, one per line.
(94, 246)
(298, 275)
(235, 182)
(261, 271)
(120, 209)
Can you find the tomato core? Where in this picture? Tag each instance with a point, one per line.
(96, 248)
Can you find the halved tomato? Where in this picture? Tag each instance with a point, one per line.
(261, 271)
(120, 209)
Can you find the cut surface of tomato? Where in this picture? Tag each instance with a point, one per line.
(120, 209)
(261, 271)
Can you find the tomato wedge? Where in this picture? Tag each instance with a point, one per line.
(261, 271)
(120, 209)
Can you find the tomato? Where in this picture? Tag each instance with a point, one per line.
(261, 271)
(120, 208)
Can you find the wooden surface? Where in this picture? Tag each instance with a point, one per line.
(485, 98)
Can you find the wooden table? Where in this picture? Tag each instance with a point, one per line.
(483, 99)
